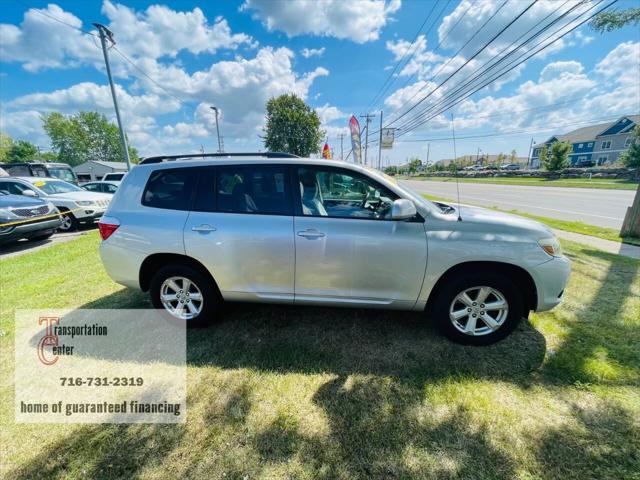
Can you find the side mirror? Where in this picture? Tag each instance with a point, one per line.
(29, 193)
(403, 209)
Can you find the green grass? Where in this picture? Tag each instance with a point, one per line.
(606, 183)
(567, 225)
(284, 392)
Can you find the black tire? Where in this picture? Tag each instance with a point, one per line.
(69, 222)
(41, 237)
(212, 300)
(450, 290)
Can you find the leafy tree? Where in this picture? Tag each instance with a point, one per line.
(501, 157)
(414, 165)
(559, 157)
(513, 158)
(391, 170)
(615, 19)
(544, 155)
(292, 126)
(21, 151)
(5, 144)
(631, 158)
(85, 136)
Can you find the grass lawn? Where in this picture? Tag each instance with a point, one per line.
(570, 226)
(606, 183)
(284, 392)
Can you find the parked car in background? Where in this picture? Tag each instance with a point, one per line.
(23, 217)
(102, 186)
(75, 204)
(114, 177)
(61, 171)
(510, 166)
(272, 228)
(585, 163)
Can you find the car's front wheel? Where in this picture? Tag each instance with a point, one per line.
(478, 308)
(69, 221)
(185, 294)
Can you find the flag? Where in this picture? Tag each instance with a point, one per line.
(356, 145)
(326, 151)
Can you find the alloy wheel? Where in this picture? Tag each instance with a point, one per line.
(181, 298)
(478, 310)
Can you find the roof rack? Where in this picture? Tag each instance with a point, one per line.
(165, 158)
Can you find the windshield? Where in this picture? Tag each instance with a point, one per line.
(62, 173)
(415, 196)
(51, 187)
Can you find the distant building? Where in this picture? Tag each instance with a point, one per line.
(96, 169)
(601, 144)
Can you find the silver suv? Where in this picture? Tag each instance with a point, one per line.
(270, 228)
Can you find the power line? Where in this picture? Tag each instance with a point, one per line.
(450, 59)
(133, 64)
(43, 14)
(489, 66)
(382, 89)
(502, 73)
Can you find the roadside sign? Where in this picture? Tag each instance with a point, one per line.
(387, 138)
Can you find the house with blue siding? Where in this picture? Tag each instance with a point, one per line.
(601, 144)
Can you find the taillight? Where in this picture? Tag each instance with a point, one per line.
(106, 229)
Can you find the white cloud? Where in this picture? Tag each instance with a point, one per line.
(155, 33)
(329, 113)
(312, 52)
(620, 63)
(160, 31)
(360, 21)
(40, 42)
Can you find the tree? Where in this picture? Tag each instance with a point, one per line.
(5, 144)
(559, 157)
(292, 126)
(85, 136)
(513, 158)
(544, 155)
(21, 151)
(615, 19)
(414, 165)
(631, 158)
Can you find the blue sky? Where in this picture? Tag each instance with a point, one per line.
(336, 55)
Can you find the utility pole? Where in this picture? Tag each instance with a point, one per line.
(428, 149)
(341, 147)
(215, 109)
(529, 162)
(631, 224)
(380, 144)
(104, 34)
(367, 118)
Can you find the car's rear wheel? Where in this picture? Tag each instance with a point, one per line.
(478, 308)
(185, 294)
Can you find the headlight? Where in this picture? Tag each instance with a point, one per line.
(85, 203)
(551, 245)
(6, 213)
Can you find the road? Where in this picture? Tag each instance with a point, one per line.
(603, 208)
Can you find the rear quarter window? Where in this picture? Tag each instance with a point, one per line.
(170, 189)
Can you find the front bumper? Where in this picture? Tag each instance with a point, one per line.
(551, 279)
(89, 214)
(30, 229)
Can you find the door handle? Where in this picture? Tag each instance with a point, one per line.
(204, 228)
(310, 234)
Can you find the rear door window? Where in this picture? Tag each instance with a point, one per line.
(257, 189)
(170, 188)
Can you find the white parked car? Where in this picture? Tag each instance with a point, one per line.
(75, 204)
(271, 228)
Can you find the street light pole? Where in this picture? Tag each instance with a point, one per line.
(104, 33)
(215, 109)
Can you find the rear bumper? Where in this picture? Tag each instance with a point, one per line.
(122, 265)
(551, 279)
